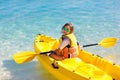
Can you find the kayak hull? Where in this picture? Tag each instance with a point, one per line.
(61, 73)
(72, 68)
(110, 68)
(81, 70)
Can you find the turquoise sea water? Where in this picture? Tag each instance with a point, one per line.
(21, 20)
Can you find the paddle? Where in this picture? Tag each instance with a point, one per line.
(27, 56)
(106, 43)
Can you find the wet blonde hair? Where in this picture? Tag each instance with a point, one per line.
(71, 27)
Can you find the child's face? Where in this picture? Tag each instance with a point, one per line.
(66, 30)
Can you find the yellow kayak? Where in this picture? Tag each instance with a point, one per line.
(85, 67)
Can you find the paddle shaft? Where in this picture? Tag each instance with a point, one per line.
(45, 52)
(90, 45)
(83, 46)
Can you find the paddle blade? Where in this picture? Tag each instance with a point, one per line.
(23, 57)
(108, 42)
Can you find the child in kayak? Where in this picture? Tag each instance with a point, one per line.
(68, 45)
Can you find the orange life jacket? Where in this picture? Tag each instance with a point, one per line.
(71, 51)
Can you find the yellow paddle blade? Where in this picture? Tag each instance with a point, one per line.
(108, 42)
(23, 57)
